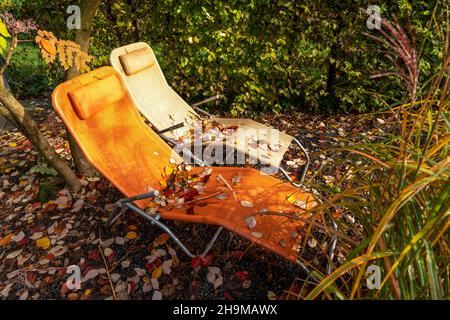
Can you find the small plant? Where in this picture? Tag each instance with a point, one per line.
(44, 170)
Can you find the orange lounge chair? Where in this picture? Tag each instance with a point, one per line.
(99, 113)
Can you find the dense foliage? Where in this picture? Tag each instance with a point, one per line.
(265, 55)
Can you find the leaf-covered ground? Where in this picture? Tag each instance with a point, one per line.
(44, 229)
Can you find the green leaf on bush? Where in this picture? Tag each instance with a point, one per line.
(44, 170)
(3, 35)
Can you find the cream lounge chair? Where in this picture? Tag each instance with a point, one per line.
(172, 117)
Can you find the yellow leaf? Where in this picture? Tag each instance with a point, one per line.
(87, 293)
(131, 235)
(43, 243)
(48, 46)
(168, 170)
(157, 273)
(6, 239)
(3, 31)
(12, 145)
(162, 239)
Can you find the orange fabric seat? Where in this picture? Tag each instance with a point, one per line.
(100, 114)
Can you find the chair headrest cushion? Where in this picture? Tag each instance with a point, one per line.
(96, 96)
(136, 61)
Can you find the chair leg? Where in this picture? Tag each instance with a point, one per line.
(172, 235)
(116, 214)
(212, 241)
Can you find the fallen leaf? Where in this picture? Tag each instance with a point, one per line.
(24, 296)
(14, 254)
(19, 237)
(147, 287)
(211, 277)
(43, 243)
(214, 270)
(91, 274)
(6, 240)
(246, 204)
(157, 295)
(107, 252)
(157, 273)
(242, 275)
(271, 295)
(162, 239)
(251, 222)
(58, 251)
(218, 282)
(155, 284)
(257, 235)
(312, 242)
(131, 235)
(77, 205)
(36, 235)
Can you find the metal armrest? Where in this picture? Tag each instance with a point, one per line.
(174, 127)
(139, 197)
(196, 106)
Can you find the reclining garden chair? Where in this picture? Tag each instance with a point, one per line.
(171, 116)
(99, 112)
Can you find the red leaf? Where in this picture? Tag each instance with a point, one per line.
(150, 267)
(157, 263)
(194, 287)
(196, 262)
(207, 260)
(111, 257)
(190, 211)
(31, 277)
(228, 295)
(242, 275)
(131, 287)
(50, 256)
(94, 255)
(49, 207)
(190, 194)
(23, 242)
(63, 290)
(237, 254)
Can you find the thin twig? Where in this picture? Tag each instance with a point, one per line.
(107, 272)
(228, 185)
(190, 202)
(130, 250)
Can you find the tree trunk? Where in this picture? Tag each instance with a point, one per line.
(88, 11)
(27, 125)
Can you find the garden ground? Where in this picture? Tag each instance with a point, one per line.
(44, 229)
